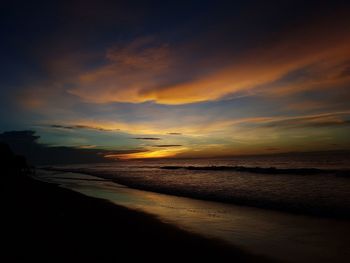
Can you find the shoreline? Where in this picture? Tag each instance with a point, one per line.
(330, 212)
(259, 231)
(46, 222)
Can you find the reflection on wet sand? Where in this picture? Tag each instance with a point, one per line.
(262, 231)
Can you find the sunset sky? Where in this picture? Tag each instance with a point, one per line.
(178, 78)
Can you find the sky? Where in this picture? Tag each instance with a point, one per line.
(143, 79)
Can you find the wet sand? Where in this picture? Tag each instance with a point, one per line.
(44, 222)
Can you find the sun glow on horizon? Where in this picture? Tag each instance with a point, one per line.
(163, 153)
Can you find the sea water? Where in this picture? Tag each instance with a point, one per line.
(296, 217)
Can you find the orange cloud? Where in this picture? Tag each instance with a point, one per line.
(138, 72)
(144, 70)
(130, 69)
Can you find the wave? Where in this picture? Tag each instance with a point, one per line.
(288, 200)
(262, 170)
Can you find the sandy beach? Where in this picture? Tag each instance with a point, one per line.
(43, 222)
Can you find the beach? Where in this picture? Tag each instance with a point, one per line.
(91, 213)
(46, 223)
(279, 235)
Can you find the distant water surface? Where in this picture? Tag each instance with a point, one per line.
(322, 191)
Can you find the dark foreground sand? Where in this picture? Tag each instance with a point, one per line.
(45, 223)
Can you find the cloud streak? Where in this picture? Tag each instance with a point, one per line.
(77, 127)
(167, 145)
(147, 138)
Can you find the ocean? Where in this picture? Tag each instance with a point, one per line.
(272, 205)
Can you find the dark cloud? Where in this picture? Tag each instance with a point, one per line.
(273, 149)
(334, 123)
(174, 133)
(122, 152)
(323, 120)
(61, 126)
(147, 138)
(81, 127)
(167, 145)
